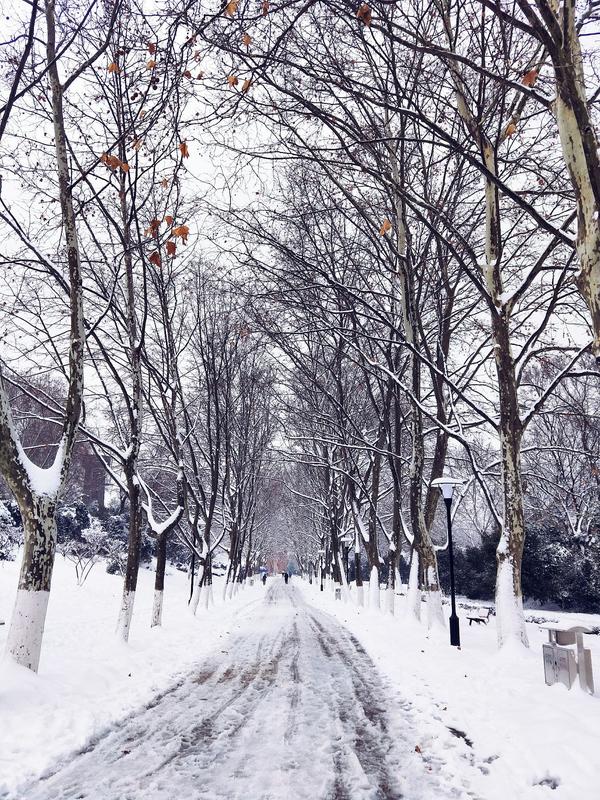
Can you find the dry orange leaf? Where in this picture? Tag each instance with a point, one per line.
(169, 220)
(232, 80)
(530, 78)
(152, 229)
(386, 226)
(364, 14)
(151, 48)
(511, 129)
(137, 143)
(112, 162)
(171, 248)
(142, 113)
(187, 74)
(183, 149)
(151, 64)
(231, 7)
(182, 232)
(113, 67)
(265, 7)
(246, 39)
(165, 183)
(155, 258)
(246, 85)
(124, 166)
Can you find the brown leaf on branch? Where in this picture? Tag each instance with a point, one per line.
(151, 64)
(169, 220)
(151, 48)
(152, 229)
(530, 78)
(246, 39)
(124, 166)
(171, 249)
(137, 143)
(510, 129)
(113, 68)
(183, 149)
(155, 258)
(232, 80)
(385, 227)
(231, 7)
(112, 162)
(187, 74)
(364, 14)
(165, 183)
(182, 232)
(246, 85)
(265, 7)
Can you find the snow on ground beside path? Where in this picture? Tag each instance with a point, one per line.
(529, 741)
(88, 679)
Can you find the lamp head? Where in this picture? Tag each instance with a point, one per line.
(446, 485)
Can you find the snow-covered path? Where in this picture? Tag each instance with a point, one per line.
(290, 708)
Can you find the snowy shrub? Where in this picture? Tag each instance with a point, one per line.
(11, 534)
(87, 550)
(68, 524)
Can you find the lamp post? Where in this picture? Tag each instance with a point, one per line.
(346, 541)
(321, 554)
(446, 486)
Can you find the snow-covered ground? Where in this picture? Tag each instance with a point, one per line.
(88, 679)
(274, 699)
(531, 741)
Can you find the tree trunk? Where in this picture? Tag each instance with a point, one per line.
(38, 510)
(29, 614)
(133, 558)
(509, 600)
(159, 579)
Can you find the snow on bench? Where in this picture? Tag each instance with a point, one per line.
(479, 615)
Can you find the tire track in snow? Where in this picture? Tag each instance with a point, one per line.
(291, 708)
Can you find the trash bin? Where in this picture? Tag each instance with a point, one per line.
(561, 665)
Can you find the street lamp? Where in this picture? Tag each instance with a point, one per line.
(446, 486)
(321, 554)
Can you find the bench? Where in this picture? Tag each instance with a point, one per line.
(479, 615)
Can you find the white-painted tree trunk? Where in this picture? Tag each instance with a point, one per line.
(510, 620)
(374, 599)
(413, 597)
(196, 598)
(435, 613)
(360, 596)
(157, 607)
(125, 615)
(345, 591)
(24, 642)
(389, 600)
